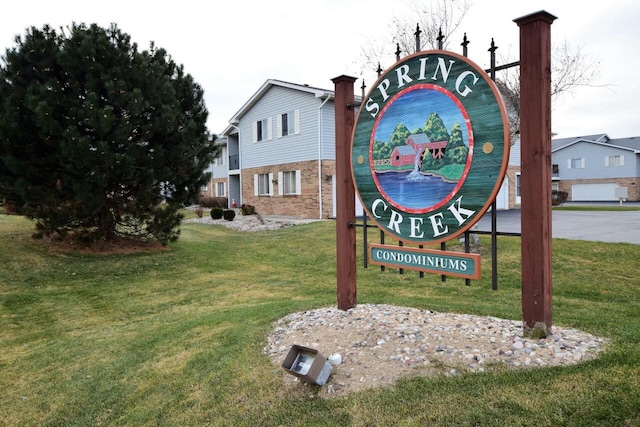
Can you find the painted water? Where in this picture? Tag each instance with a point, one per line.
(414, 190)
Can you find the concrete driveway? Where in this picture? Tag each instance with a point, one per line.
(603, 226)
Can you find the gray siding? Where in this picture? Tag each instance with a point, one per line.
(219, 171)
(286, 149)
(594, 162)
(514, 153)
(328, 131)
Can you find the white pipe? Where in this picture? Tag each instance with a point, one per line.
(320, 155)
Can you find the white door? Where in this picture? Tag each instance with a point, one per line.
(359, 209)
(502, 199)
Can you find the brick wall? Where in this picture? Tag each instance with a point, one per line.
(632, 184)
(304, 205)
(210, 190)
(511, 176)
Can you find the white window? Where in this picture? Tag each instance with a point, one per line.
(289, 123)
(289, 183)
(262, 130)
(555, 186)
(611, 161)
(518, 189)
(577, 163)
(221, 190)
(263, 184)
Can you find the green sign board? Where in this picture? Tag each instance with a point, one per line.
(430, 147)
(433, 261)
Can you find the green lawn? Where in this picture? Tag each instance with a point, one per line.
(175, 338)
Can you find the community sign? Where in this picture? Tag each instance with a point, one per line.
(430, 147)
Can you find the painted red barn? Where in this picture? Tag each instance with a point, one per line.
(403, 155)
(415, 146)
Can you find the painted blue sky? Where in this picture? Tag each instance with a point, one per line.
(403, 110)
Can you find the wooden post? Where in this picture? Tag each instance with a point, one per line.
(345, 194)
(535, 134)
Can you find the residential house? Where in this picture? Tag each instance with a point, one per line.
(219, 169)
(280, 148)
(597, 168)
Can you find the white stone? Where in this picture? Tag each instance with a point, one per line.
(335, 359)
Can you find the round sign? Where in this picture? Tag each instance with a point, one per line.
(430, 147)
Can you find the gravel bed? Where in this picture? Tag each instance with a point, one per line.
(251, 223)
(378, 344)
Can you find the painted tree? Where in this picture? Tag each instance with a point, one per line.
(99, 140)
(399, 135)
(456, 152)
(435, 129)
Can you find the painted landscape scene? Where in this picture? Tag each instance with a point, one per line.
(420, 149)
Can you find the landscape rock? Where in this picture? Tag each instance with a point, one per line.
(379, 344)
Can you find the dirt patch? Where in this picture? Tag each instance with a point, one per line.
(117, 245)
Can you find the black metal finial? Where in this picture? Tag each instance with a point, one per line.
(398, 51)
(440, 38)
(417, 34)
(379, 70)
(493, 46)
(464, 44)
(363, 87)
(492, 59)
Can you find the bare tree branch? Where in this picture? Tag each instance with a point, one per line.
(571, 68)
(431, 17)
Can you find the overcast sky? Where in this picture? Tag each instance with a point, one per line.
(232, 47)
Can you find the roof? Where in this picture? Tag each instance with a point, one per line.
(405, 150)
(418, 138)
(266, 86)
(632, 144)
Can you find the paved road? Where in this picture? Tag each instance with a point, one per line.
(603, 226)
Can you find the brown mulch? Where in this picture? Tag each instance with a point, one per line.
(118, 245)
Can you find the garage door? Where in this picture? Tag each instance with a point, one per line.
(593, 192)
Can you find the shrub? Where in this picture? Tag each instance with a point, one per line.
(248, 209)
(229, 214)
(216, 213)
(199, 211)
(213, 202)
(558, 197)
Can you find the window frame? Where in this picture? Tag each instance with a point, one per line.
(288, 123)
(259, 187)
(618, 161)
(287, 179)
(263, 130)
(224, 189)
(576, 163)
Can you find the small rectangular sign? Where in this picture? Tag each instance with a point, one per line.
(450, 263)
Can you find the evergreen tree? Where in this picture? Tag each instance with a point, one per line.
(97, 138)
